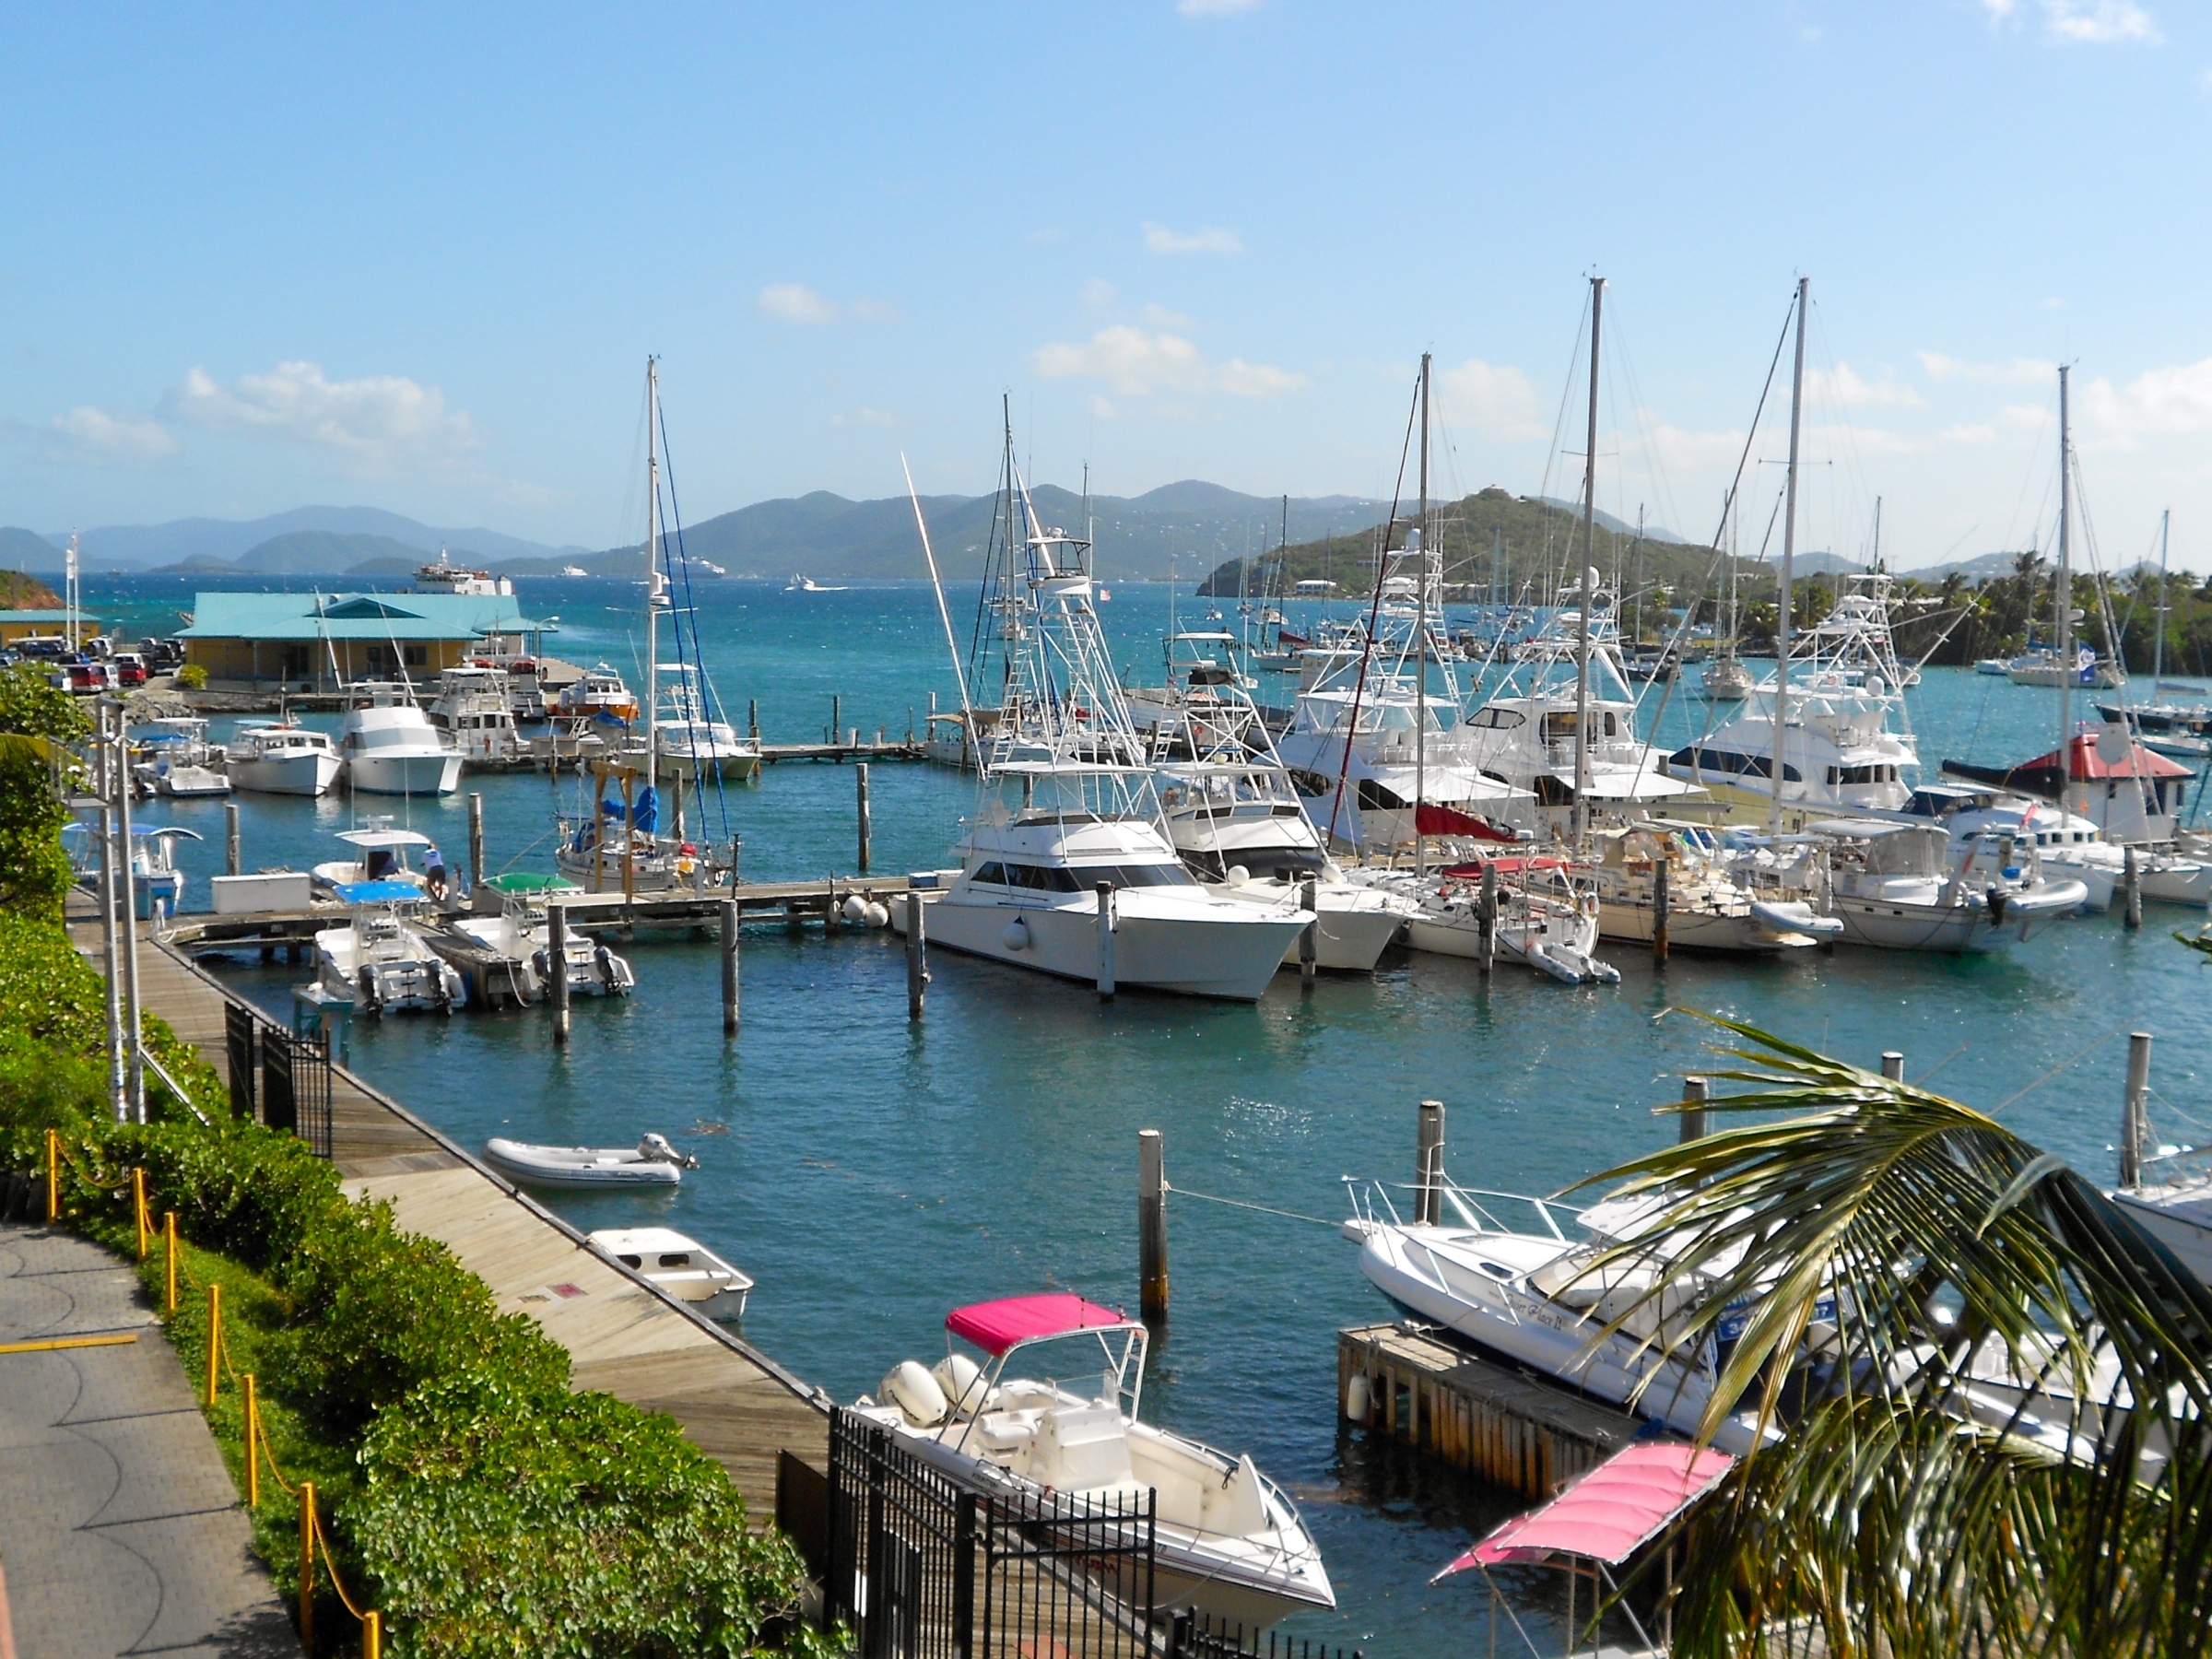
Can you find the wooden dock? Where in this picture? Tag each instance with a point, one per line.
(1508, 1427)
(623, 1335)
(881, 749)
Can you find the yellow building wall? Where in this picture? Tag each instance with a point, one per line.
(310, 660)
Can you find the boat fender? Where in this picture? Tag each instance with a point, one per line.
(540, 964)
(1238, 876)
(855, 908)
(1017, 937)
(1356, 1399)
(1995, 895)
(963, 1384)
(369, 996)
(878, 915)
(604, 961)
(910, 1387)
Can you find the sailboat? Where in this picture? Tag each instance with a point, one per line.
(1064, 868)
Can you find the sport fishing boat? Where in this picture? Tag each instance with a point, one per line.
(684, 1267)
(268, 758)
(380, 960)
(1228, 1543)
(598, 694)
(1064, 868)
(689, 741)
(1895, 886)
(178, 760)
(155, 882)
(391, 747)
(652, 1162)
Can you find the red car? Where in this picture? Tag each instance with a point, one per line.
(84, 678)
(129, 668)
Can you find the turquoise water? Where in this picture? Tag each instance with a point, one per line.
(872, 1176)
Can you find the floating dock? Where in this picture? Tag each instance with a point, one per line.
(1508, 1427)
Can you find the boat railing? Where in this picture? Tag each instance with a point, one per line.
(1467, 1203)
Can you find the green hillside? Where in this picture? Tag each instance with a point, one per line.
(19, 591)
(22, 550)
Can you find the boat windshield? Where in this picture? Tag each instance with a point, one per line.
(1082, 879)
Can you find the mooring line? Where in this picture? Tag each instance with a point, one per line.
(1239, 1204)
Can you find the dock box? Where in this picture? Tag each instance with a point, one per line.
(259, 894)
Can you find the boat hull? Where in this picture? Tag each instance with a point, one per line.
(2180, 1219)
(523, 1164)
(1354, 927)
(1956, 929)
(306, 774)
(1714, 931)
(1229, 957)
(433, 773)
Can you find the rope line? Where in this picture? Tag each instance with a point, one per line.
(2061, 1066)
(330, 1566)
(1239, 1204)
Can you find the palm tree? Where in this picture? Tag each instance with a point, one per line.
(1882, 1238)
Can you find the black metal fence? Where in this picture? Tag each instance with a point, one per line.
(922, 1568)
(1191, 1637)
(295, 1087)
(239, 1031)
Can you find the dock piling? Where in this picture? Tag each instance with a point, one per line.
(1151, 1225)
(1695, 1091)
(729, 967)
(476, 840)
(1486, 917)
(837, 717)
(2132, 1120)
(917, 955)
(1893, 1065)
(1660, 907)
(752, 719)
(2132, 876)
(860, 786)
(557, 969)
(1429, 1165)
(1105, 941)
(231, 847)
(1309, 940)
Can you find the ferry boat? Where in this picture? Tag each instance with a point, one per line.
(444, 576)
(1228, 1543)
(271, 759)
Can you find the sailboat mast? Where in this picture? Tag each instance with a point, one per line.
(2065, 590)
(652, 568)
(1789, 552)
(1421, 652)
(2158, 649)
(1876, 565)
(1588, 584)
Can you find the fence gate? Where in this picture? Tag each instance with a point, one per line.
(923, 1568)
(239, 1026)
(295, 1087)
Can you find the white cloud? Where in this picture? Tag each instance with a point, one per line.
(795, 302)
(2099, 23)
(1497, 398)
(865, 417)
(1847, 389)
(1214, 239)
(124, 436)
(1998, 10)
(1160, 316)
(2158, 402)
(2015, 372)
(1139, 364)
(1216, 8)
(379, 418)
(1098, 294)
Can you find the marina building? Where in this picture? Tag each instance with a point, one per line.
(17, 624)
(318, 641)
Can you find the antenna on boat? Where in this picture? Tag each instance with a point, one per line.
(652, 570)
(2065, 592)
(1582, 633)
(1420, 651)
(959, 673)
(1789, 548)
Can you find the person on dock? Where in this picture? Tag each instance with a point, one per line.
(434, 879)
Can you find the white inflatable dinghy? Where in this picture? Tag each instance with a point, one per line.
(652, 1163)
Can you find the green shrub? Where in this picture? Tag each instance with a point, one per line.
(193, 676)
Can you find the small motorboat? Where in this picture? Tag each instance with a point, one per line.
(652, 1163)
(687, 1269)
(1230, 1544)
(382, 961)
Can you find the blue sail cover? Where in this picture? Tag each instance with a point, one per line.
(645, 815)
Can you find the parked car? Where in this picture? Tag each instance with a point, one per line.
(129, 666)
(84, 678)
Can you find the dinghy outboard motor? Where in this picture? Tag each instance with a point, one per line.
(654, 1148)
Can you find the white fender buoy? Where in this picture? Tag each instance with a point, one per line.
(877, 915)
(1017, 937)
(1356, 1399)
(909, 1386)
(1238, 875)
(855, 908)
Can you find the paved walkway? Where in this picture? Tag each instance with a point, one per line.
(119, 1529)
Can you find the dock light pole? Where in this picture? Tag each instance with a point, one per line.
(2133, 1124)
(1151, 1226)
(1695, 1091)
(119, 774)
(1105, 941)
(729, 967)
(1429, 1165)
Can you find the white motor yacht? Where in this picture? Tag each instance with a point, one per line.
(598, 694)
(272, 759)
(474, 709)
(684, 1267)
(2066, 843)
(1895, 887)
(379, 961)
(689, 741)
(391, 747)
(1228, 1543)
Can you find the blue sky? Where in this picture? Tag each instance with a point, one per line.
(416, 257)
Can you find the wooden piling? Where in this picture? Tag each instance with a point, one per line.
(860, 785)
(2132, 876)
(557, 968)
(837, 717)
(1661, 905)
(231, 847)
(1105, 941)
(729, 967)
(1429, 1165)
(2133, 1124)
(752, 720)
(1486, 918)
(476, 840)
(1151, 1225)
(1309, 940)
(1893, 1065)
(917, 955)
(1696, 1091)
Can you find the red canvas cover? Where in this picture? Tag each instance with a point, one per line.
(2091, 767)
(1609, 1512)
(996, 1326)
(1431, 819)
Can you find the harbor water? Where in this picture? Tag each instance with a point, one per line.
(872, 1175)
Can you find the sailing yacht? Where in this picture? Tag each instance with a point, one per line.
(1064, 868)
(692, 743)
